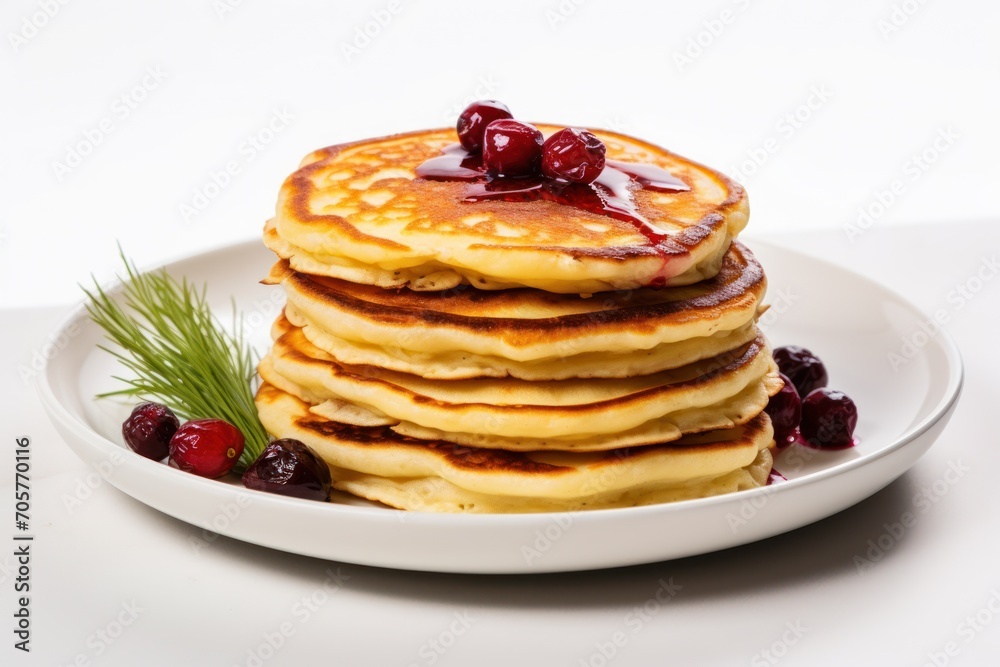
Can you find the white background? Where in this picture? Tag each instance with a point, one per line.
(887, 94)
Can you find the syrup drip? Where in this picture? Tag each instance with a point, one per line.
(610, 194)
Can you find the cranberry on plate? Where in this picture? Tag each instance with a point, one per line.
(289, 467)
(148, 430)
(828, 419)
(785, 411)
(804, 368)
(206, 447)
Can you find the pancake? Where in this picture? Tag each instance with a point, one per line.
(433, 494)
(510, 408)
(733, 411)
(460, 365)
(377, 463)
(727, 413)
(359, 212)
(523, 325)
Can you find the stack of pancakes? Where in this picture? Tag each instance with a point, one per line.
(509, 356)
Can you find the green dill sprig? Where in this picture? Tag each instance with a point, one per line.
(179, 353)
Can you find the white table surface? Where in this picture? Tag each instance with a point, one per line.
(885, 81)
(800, 594)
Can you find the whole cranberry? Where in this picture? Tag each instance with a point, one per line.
(206, 447)
(828, 419)
(291, 468)
(512, 149)
(785, 411)
(148, 430)
(803, 367)
(573, 155)
(473, 121)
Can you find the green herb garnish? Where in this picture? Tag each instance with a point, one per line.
(179, 353)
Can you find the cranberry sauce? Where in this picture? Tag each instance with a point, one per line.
(455, 165)
(650, 176)
(775, 477)
(610, 194)
(798, 439)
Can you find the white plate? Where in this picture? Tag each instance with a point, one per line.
(855, 325)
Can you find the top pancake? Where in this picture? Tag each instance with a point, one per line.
(358, 212)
